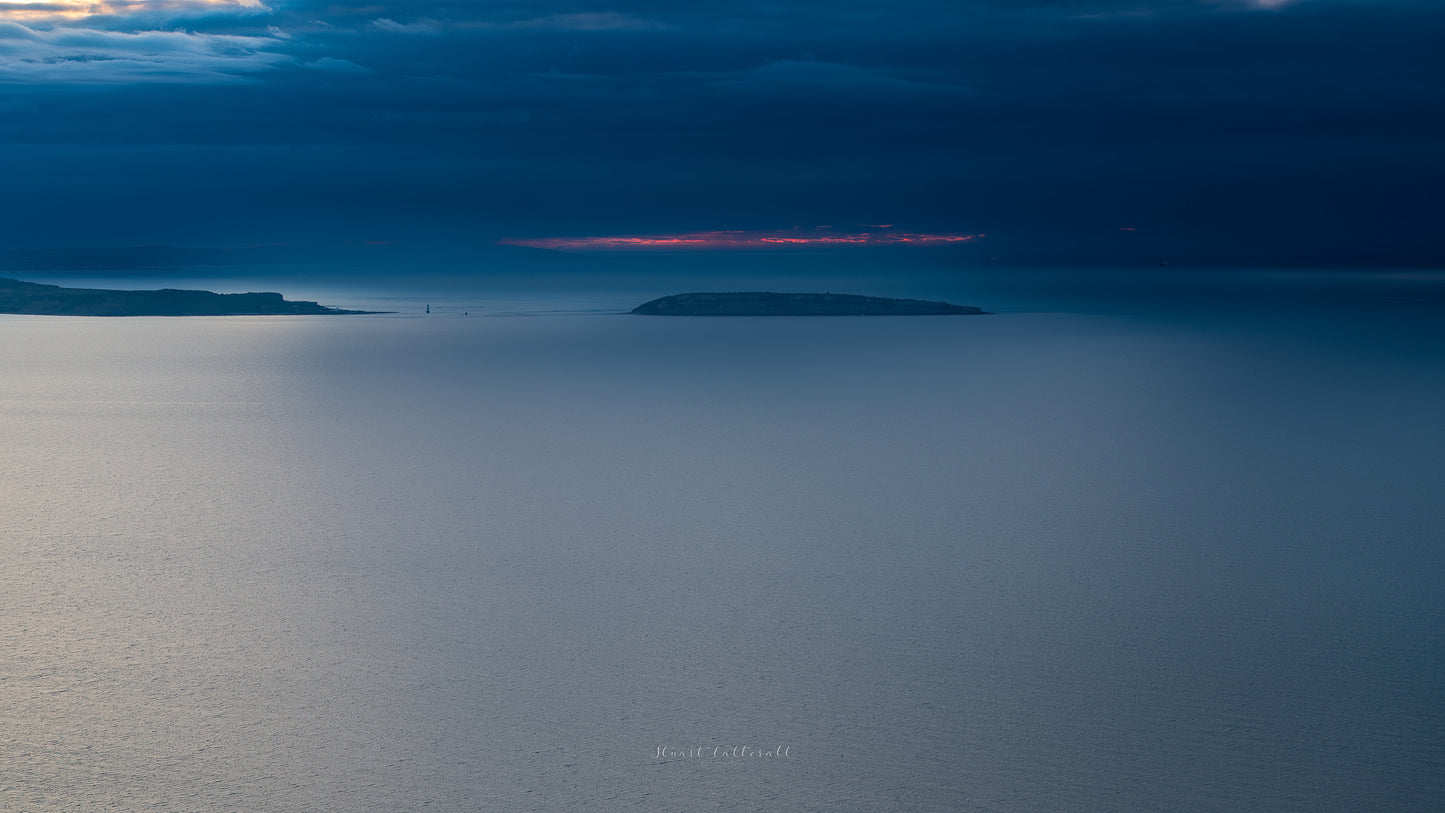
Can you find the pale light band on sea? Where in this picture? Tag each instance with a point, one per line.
(1114, 558)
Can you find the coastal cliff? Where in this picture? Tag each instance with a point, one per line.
(34, 298)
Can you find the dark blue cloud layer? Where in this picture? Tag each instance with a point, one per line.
(1306, 126)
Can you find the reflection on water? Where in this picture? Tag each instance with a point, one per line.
(1133, 557)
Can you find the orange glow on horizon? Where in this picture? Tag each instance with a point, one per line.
(743, 239)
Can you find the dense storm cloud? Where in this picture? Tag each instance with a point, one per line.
(1307, 126)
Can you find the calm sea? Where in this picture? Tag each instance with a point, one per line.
(1164, 544)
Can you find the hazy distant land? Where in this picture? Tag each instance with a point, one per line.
(767, 303)
(34, 298)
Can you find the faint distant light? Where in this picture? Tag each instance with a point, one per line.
(1127, 228)
(744, 239)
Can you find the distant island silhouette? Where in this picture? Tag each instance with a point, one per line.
(17, 296)
(767, 303)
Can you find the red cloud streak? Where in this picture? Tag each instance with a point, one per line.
(743, 239)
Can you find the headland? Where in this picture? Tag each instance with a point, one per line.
(17, 296)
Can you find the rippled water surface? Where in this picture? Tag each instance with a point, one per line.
(1035, 561)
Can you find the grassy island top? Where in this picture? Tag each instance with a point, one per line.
(767, 303)
(38, 299)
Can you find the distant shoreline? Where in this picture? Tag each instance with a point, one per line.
(768, 303)
(38, 299)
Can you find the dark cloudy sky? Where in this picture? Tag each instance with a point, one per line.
(1201, 125)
